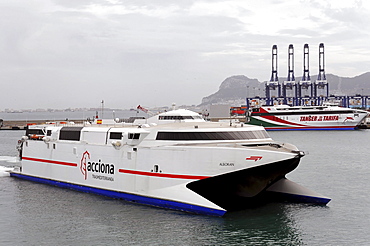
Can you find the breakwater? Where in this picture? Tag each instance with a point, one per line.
(23, 124)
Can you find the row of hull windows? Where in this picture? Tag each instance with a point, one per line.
(74, 134)
(232, 135)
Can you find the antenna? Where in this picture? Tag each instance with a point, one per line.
(102, 109)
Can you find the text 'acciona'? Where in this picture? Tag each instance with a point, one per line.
(100, 167)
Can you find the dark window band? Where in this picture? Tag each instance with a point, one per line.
(231, 135)
(177, 117)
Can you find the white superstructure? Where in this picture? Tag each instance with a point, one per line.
(173, 160)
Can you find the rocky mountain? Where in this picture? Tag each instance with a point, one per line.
(235, 89)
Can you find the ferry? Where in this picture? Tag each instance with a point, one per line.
(326, 117)
(173, 160)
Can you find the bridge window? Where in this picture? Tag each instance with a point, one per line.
(34, 132)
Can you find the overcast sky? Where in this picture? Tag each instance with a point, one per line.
(75, 53)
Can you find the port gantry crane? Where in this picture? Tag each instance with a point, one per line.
(321, 82)
(273, 84)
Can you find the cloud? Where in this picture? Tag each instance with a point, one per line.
(76, 53)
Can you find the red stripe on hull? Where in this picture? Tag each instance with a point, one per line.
(310, 127)
(50, 161)
(162, 175)
(276, 119)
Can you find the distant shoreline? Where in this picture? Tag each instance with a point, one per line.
(23, 124)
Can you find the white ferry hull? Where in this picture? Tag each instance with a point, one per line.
(169, 166)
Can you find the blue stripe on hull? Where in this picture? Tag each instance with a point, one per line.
(296, 198)
(309, 129)
(126, 196)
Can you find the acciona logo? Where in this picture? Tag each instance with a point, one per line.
(96, 167)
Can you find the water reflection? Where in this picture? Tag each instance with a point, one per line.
(64, 216)
(268, 225)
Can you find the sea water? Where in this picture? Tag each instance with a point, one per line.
(336, 165)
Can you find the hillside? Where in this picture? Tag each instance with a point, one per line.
(236, 88)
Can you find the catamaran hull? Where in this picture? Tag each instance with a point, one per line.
(228, 192)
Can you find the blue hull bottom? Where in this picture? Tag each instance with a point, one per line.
(126, 196)
(295, 198)
(310, 129)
